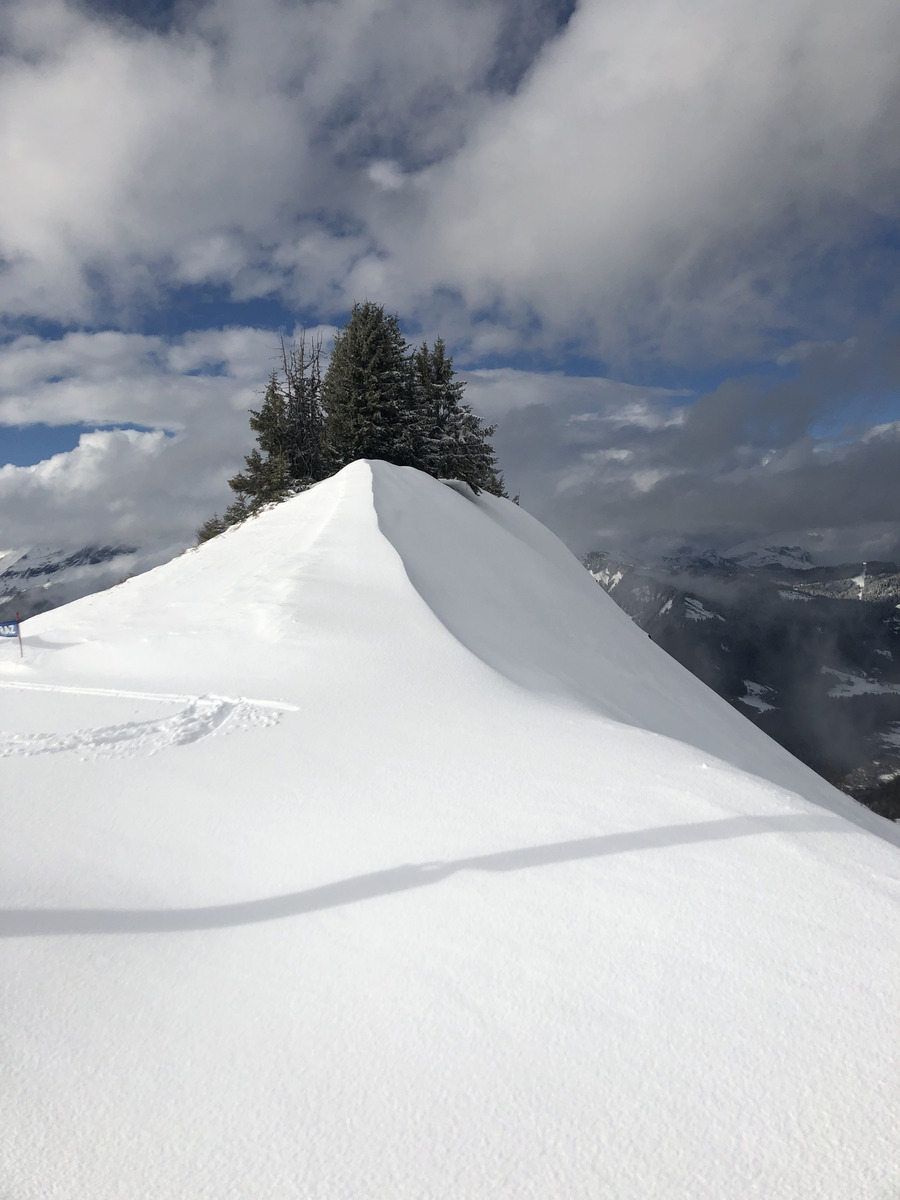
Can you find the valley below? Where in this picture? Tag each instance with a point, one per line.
(811, 655)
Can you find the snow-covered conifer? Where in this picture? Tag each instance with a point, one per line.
(368, 393)
(457, 445)
(289, 428)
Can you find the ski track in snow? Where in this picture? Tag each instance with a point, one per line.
(201, 717)
(162, 697)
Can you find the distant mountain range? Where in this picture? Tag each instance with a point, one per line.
(39, 578)
(810, 654)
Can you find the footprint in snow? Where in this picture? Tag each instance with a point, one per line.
(201, 718)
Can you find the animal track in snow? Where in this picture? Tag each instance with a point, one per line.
(203, 716)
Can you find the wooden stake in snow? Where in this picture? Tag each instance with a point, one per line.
(19, 632)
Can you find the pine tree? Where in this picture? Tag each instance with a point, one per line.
(304, 418)
(368, 392)
(266, 476)
(211, 528)
(456, 446)
(289, 428)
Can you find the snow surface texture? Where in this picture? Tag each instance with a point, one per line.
(201, 716)
(476, 899)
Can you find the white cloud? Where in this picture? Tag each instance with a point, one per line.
(670, 168)
(123, 484)
(198, 156)
(493, 393)
(100, 378)
(667, 179)
(106, 489)
(387, 175)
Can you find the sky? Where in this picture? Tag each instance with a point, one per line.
(660, 238)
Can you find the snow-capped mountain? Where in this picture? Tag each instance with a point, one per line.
(794, 558)
(689, 559)
(39, 578)
(773, 639)
(746, 555)
(370, 850)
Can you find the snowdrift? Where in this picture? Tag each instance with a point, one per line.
(370, 850)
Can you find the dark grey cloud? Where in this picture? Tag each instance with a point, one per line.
(525, 29)
(643, 472)
(158, 16)
(753, 416)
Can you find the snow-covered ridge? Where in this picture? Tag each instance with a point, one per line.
(199, 619)
(794, 558)
(858, 684)
(482, 894)
(753, 696)
(694, 611)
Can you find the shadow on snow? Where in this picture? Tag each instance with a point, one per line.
(44, 922)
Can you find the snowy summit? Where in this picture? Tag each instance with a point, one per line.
(369, 850)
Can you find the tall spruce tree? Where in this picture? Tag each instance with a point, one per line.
(372, 405)
(456, 445)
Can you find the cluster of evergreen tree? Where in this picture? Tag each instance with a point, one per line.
(379, 398)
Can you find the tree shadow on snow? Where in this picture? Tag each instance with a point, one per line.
(43, 922)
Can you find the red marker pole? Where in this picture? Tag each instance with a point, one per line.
(19, 632)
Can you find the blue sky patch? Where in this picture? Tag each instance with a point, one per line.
(25, 445)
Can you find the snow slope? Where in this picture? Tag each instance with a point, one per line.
(369, 850)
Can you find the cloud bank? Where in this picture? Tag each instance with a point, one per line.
(642, 471)
(653, 186)
(663, 178)
(120, 484)
(674, 175)
(607, 465)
